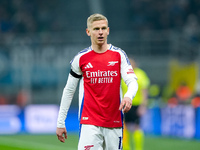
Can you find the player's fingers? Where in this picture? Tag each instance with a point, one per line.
(127, 107)
(121, 105)
(61, 138)
(65, 135)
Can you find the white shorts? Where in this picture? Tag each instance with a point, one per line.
(100, 138)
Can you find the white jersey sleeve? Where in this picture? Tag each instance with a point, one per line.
(70, 88)
(66, 100)
(128, 76)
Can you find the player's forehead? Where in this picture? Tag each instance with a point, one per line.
(99, 23)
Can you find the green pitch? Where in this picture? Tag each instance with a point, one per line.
(50, 142)
(37, 142)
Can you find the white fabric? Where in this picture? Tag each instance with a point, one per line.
(132, 88)
(66, 99)
(100, 138)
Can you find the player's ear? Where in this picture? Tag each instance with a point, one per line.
(108, 31)
(88, 32)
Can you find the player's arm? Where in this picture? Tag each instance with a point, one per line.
(126, 103)
(130, 79)
(66, 100)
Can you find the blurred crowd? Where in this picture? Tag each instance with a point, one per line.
(165, 14)
(181, 16)
(22, 16)
(36, 16)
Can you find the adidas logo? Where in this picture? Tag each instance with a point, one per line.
(89, 65)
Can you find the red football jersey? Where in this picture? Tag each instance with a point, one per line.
(99, 90)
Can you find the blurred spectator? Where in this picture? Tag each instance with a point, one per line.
(23, 98)
(3, 100)
(191, 29)
(182, 95)
(183, 92)
(196, 101)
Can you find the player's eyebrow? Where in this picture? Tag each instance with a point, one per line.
(97, 28)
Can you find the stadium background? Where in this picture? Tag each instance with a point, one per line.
(38, 39)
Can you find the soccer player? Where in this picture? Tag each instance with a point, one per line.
(132, 118)
(99, 68)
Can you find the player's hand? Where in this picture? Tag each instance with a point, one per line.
(61, 134)
(125, 105)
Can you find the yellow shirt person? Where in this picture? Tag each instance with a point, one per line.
(132, 128)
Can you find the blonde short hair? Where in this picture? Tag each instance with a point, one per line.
(95, 17)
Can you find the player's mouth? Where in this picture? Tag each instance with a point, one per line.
(100, 38)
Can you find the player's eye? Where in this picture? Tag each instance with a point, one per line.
(96, 28)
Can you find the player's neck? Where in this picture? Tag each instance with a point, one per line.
(100, 48)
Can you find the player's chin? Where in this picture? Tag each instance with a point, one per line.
(101, 42)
